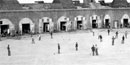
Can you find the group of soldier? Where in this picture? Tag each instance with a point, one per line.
(123, 37)
(94, 48)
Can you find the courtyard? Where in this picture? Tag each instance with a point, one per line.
(45, 52)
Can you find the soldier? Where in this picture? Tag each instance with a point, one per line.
(96, 49)
(58, 48)
(93, 50)
(100, 37)
(113, 39)
(51, 33)
(117, 34)
(76, 46)
(93, 33)
(108, 31)
(9, 52)
(123, 39)
(33, 41)
(126, 33)
(39, 37)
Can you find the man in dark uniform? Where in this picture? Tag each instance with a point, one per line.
(93, 33)
(9, 52)
(108, 31)
(123, 39)
(51, 33)
(33, 41)
(117, 34)
(76, 46)
(58, 48)
(113, 39)
(126, 33)
(100, 37)
(39, 37)
(93, 50)
(96, 49)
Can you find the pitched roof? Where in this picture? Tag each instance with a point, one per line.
(67, 4)
(10, 5)
(120, 3)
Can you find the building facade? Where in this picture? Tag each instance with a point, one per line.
(64, 19)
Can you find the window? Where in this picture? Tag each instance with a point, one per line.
(48, 19)
(1, 22)
(91, 0)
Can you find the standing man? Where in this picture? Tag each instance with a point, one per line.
(58, 48)
(51, 33)
(108, 31)
(9, 52)
(123, 39)
(93, 50)
(126, 33)
(113, 40)
(100, 37)
(96, 49)
(117, 34)
(93, 33)
(33, 41)
(76, 46)
(39, 37)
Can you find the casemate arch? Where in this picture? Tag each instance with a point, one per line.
(125, 20)
(64, 23)
(46, 25)
(95, 21)
(107, 21)
(26, 25)
(80, 22)
(6, 26)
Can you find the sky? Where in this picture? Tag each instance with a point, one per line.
(49, 1)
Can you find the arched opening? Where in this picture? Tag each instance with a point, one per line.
(107, 21)
(63, 23)
(6, 27)
(26, 26)
(94, 21)
(79, 22)
(125, 21)
(45, 24)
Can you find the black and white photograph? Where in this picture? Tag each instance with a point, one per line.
(64, 32)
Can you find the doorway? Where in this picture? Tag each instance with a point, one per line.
(26, 28)
(79, 25)
(94, 24)
(4, 29)
(63, 26)
(107, 24)
(45, 27)
(125, 23)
